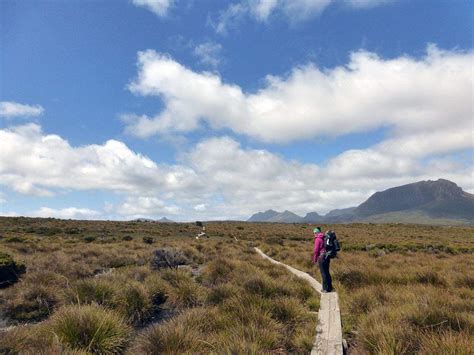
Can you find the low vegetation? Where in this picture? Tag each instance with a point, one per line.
(102, 287)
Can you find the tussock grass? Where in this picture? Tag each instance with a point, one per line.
(89, 328)
(183, 334)
(403, 288)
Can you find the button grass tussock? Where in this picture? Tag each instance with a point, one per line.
(399, 290)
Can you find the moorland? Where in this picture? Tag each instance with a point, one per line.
(96, 287)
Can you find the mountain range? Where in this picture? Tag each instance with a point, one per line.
(435, 202)
(161, 220)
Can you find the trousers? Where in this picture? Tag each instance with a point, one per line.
(325, 275)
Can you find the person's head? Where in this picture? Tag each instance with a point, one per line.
(317, 230)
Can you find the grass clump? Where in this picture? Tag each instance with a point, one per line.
(34, 302)
(186, 333)
(218, 271)
(186, 294)
(88, 328)
(131, 298)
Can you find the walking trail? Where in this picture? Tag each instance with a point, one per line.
(328, 339)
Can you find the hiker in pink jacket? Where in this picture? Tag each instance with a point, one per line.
(323, 261)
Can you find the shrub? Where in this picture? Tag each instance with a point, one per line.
(148, 240)
(167, 258)
(16, 240)
(89, 238)
(127, 238)
(89, 328)
(9, 270)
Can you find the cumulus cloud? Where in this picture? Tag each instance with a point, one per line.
(158, 7)
(254, 180)
(209, 53)
(34, 163)
(141, 206)
(67, 213)
(219, 178)
(293, 10)
(10, 109)
(369, 92)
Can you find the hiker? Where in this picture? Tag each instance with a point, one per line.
(319, 256)
(203, 233)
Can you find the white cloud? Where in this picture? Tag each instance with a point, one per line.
(293, 10)
(231, 17)
(10, 109)
(209, 53)
(67, 213)
(201, 207)
(365, 4)
(158, 7)
(220, 179)
(404, 93)
(140, 206)
(34, 163)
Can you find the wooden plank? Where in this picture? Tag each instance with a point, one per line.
(328, 339)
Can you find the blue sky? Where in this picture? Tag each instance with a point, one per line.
(215, 109)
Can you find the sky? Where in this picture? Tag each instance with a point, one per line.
(215, 110)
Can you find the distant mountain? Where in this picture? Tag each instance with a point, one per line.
(274, 216)
(263, 216)
(149, 220)
(312, 217)
(436, 199)
(165, 220)
(342, 215)
(285, 217)
(435, 202)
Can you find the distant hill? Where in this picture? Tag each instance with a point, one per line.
(263, 216)
(285, 217)
(165, 220)
(149, 220)
(312, 217)
(434, 202)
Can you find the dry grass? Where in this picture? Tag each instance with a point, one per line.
(403, 289)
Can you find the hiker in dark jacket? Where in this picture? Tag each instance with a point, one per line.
(323, 261)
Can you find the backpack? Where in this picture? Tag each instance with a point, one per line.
(331, 245)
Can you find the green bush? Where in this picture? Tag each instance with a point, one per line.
(148, 240)
(89, 238)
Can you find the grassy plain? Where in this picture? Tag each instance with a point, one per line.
(89, 288)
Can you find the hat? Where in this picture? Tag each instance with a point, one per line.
(317, 230)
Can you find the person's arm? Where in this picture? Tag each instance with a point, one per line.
(317, 249)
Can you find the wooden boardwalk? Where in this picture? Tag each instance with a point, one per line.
(328, 339)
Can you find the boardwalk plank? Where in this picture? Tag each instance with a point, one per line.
(328, 339)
